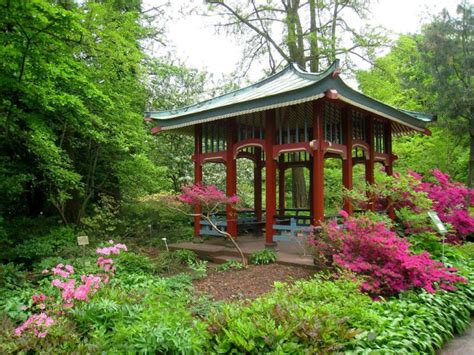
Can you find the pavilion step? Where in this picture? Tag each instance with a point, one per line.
(221, 259)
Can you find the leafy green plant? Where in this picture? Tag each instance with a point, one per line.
(229, 265)
(51, 244)
(199, 268)
(315, 316)
(134, 263)
(417, 322)
(149, 219)
(265, 256)
(185, 256)
(103, 221)
(12, 276)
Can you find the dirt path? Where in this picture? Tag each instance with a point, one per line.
(461, 345)
(249, 283)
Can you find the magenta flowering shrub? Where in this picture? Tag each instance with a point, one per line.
(383, 259)
(412, 196)
(71, 291)
(451, 200)
(208, 196)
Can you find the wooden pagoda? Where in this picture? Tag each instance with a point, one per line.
(292, 118)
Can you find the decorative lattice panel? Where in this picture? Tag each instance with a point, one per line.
(333, 123)
(359, 130)
(251, 126)
(379, 137)
(294, 123)
(213, 137)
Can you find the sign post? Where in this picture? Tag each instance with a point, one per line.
(440, 227)
(83, 240)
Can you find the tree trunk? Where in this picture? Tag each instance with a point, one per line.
(313, 38)
(298, 188)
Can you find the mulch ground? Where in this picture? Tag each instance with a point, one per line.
(249, 283)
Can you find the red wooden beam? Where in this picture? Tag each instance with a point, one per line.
(347, 163)
(389, 166)
(281, 189)
(231, 178)
(257, 181)
(369, 163)
(291, 147)
(155, 130)
(270, 170)
(197, 174)
(318, 164)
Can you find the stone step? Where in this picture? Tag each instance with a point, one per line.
(221, 259)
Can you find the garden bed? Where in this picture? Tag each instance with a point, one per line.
(249, 283)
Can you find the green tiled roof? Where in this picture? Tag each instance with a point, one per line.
(290, 86)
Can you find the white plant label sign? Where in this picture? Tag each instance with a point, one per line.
(83, 240)
(437, 222)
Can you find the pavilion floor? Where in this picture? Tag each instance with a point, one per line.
(219, 250)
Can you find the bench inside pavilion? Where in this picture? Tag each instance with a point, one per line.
(291, 119)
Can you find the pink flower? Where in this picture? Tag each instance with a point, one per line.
(344, 214)
(45, 271)
(37, 298)
(57, 283)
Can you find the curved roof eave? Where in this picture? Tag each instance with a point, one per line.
(312, 86)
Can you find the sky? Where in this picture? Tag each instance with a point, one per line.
(195, 41)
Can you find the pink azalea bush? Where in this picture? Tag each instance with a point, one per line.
(451, 200)
(71, 290)
(412, 196)
(383, 259)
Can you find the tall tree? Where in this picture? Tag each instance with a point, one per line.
(71, 83)
(403, 79)
(310, 33)
(448, 51)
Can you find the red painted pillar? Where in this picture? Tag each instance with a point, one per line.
(388, 142)
(318, 164)
(310, 199)
(281, 189)
(347, 163)
(369, 163)
(389, 166)
(231, 179)
(257, 184)
(197, 174)
(270, 183)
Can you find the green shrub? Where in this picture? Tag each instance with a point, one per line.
(12, 276)
(316, 316)
(265, 256)
(417, 322)
(199, 268)
(56, 242)
(175, 261)
(185, 256)
(150, 316)
(151, 219)
(103, 222)
(230, 265)
(133, 263)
